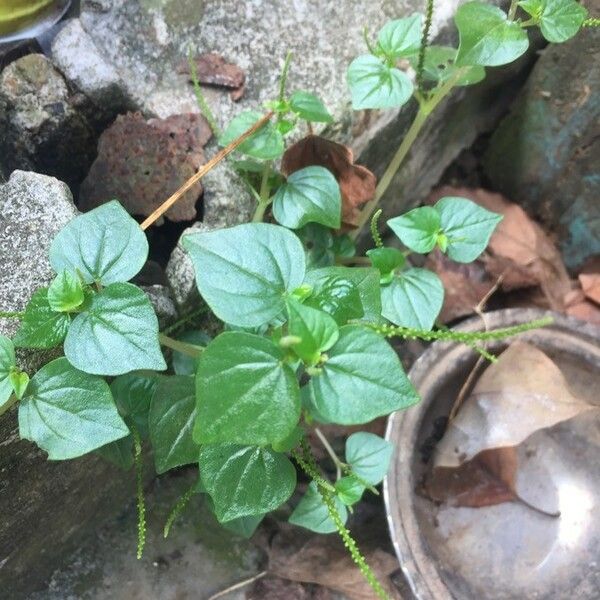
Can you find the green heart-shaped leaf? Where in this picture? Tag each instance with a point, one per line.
(369, 456)
(487, 37)
(132, 393)
(439, 66)
(309, 107)
(246, 394)
(413, 299)
(65, 293)
(7, 364)
(171, 421)
(401, 37)
(559, 20)
(116, 333)
(312, 513)
(41, 327)
(467, 227)
(309, 195)
(245, 480)
(418, 228)
(349, 490)
(104, 245)
(266, 144)
(361, 380)
(68, 413)
(375, 85)
(244, 272)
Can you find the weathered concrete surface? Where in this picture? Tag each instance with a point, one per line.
(198, 558)
(42, 128)
(545, 154)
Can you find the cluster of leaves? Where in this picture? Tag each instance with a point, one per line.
(300, 344)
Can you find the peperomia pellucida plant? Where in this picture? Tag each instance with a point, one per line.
(305, 321)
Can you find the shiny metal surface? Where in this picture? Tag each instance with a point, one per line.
(507, 551)
(25, 19)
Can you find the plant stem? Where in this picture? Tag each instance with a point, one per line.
(185, 319)
(183, 347)
(423, 47)
(12, 401)
(200, 99)
(512, 11)
(426, 107)
(264, 194)
(178, 509)
(339, 465)
(11, 314)
(283, 78)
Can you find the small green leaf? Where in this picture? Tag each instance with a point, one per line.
(487, 37)
(418, 228)
(349, 490)
(559, 20)
(119, 453)
(104, 245)
(361, 380)
(68, 413)
(401, 37)
(245, 392)
(375, 85)
(290, 442)
(65, 293)
(439, 66)
(386, 261)
(309, 195)
(132, 393)
(467, 226)
(116, 333)
(343, 246)
(41, 327)
(413, 299)
(19, 382)
(317, 330)
(369, 456)
(7, 364)
(266, 144)
(244, 526)
(171, 421)
(338, 297)
(309, 107)
(184, 364)
(245, 480)
(312, 513)
(318, 245)
(366, 281)
(244, 272)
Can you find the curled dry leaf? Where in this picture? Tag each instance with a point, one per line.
(213, 69)
(590, 285)
(357, 183)
(475, 463)
(519, 248)
(141, 163)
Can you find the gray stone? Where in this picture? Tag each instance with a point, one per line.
(180, 274)
(198, 559)
(42, 130)
(33, 209)
(546, 152)
(160, 297)
(80, 61)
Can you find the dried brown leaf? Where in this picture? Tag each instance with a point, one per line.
(213, 69)
(464, 285)
(590, 284)
(141, 163)
(475, 463)
(577, 305)
(325, 561)
(357, 183)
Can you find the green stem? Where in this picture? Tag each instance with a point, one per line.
(423, 47)
(184, 320)
(183, 347)
(200, 99)
(426, 107)
(178, 509)
(11, 314)
(139, 481)
(339, 465)
(264, 194)
(11, 402)
(283, 78)
(512, 11)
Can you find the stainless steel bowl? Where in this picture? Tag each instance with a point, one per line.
(25, 19)
(505, 551)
